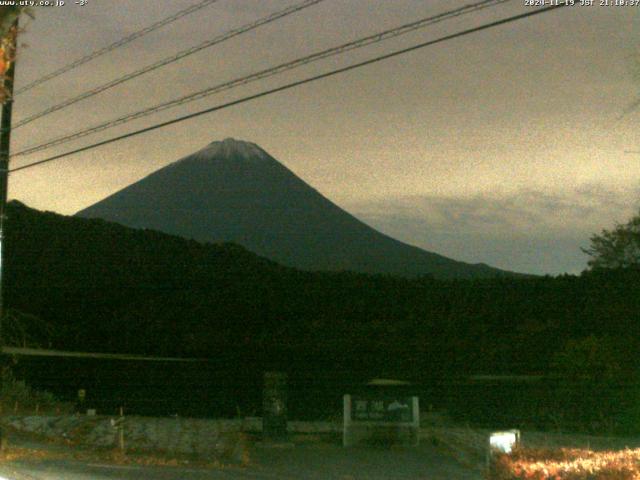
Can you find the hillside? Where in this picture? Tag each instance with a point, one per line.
(100, 286)
(106, 287)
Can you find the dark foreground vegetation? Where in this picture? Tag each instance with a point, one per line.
(565, 464)
(90, 285)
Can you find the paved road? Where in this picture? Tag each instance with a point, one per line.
(313, 462)
(68, 470)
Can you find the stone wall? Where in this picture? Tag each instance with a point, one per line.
(212, 438)
(174, 435)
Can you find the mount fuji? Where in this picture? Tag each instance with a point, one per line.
(234, 191)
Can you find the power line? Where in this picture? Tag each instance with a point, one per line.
(39, 352)
(117, 44)
(173, 58)
(297, 83)
(362, 42)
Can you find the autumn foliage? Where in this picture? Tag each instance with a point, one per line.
(8, 34)
(7, 55)
(566, 464)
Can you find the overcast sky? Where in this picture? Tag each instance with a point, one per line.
(504, 147)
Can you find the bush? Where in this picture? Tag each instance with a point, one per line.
(592, 389)
(565, 464)
(16, 393)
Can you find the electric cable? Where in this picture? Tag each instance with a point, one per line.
(115, 45)
(362, 42)
(168, 60)
(297, 83)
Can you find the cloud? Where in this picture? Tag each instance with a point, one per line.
(531, 231)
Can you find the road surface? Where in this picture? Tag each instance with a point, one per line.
(309, 461)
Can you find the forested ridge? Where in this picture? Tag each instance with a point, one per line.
(104, 287)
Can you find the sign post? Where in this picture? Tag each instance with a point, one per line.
(118, 424)
(82, 395)
(274, 407)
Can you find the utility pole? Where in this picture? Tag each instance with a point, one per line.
(5, 142)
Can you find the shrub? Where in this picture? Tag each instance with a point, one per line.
(565, 464)
(17, 393)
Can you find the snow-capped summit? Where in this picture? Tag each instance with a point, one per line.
(234, 191)
(232, 147)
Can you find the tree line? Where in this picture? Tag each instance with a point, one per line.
(99, 286)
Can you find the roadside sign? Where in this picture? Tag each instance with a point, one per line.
(391, 410)
(396, 419)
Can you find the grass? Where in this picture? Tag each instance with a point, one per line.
(466, 445)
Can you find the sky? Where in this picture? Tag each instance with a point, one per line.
(507, 146)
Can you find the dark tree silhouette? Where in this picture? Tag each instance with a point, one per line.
(617, 248)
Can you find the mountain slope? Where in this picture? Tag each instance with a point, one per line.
(234, 191)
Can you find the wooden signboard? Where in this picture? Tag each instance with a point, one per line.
(372, 418)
